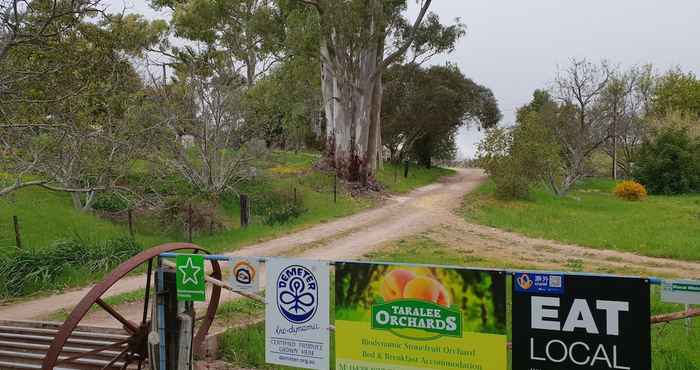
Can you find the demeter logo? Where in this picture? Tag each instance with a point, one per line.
(415, 319)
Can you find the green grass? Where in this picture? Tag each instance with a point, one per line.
(115, 300)
(660, 226)
(391, 176)
(46, 216)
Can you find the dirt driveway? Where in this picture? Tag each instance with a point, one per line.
(426, 210)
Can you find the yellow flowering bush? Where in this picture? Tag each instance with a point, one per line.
(630, 190)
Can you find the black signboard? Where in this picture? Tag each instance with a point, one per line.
(580, 322)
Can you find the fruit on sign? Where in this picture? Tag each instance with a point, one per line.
(394, 283)
(443, 297)
(423, 288)
(407, 284)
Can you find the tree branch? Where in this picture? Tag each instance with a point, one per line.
(411, 37)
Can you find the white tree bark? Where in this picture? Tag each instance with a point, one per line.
(352, 92)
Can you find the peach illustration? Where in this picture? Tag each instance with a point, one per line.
(394, 283)
(423, 288)
(443, 297)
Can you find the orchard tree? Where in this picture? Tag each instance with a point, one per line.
(84, 140)
(359, 40)
(200, 118)
(581, 126)
(626, 104)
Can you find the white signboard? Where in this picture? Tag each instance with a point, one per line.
(297, 324)
(245, 274)
(681, 291)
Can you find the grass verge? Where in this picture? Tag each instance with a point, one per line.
(660, 226)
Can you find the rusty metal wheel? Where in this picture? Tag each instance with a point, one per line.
(131, 349)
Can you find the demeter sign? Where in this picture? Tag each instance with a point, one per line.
(419, 317)
(190, 277)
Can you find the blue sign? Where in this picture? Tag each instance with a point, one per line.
(526, 282)
(297, 294)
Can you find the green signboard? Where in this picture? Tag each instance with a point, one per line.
(681, 291)
(190, 277)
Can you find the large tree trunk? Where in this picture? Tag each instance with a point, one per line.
(352, 105)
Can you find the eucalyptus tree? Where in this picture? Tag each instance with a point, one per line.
(249, 33)
(424, 108)
(359, 40)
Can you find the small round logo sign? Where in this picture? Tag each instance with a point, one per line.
(297, 294)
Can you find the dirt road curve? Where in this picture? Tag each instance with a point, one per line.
(425, 210)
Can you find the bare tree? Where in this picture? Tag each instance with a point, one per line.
(626, 102)
(202, 123)
(582, 128)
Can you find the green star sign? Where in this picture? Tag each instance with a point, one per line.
(190, 277)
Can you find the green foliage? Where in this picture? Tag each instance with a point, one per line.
(518, 157)
(422, 109)
(282, 107)
(669, 163)
(661, 226)
(677, 91)
(30, 270)
(110, 202)
(245, 347)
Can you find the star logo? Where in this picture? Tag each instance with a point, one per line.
(189, 272)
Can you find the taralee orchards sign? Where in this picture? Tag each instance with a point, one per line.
(419, 317)
(580, 322)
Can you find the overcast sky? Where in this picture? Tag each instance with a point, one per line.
(515, 46)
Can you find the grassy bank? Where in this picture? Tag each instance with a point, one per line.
(673, 348)
(48, 220)
(660, 226)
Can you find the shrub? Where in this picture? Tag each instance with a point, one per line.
(630, 190)
(276, 208)
(176, 215)
(110, 202)
(31, 270)
(669, 163)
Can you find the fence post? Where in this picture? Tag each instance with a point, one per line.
(18, 238)
(295, 195)
(245, 210)
(405, 169)
(131, 222)
(335, 187)
(189, 223)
